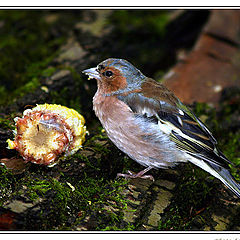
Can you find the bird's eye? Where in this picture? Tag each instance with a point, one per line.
(108, 73)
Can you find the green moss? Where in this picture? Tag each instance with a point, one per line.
(71, 198)
(37, 188)
(48, 71)
(127, 20)
(223, 123)
(129, 227)
(27, 48)
(57, 97)
(173, 221)
(184, 207)
(95, 143)
(69, 96)
(28, 87)
(7, 185)
(231, 147)
(68, 194)
(7, 122)
(26, 42)
(3, 93)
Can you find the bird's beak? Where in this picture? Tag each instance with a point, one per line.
(92, 73)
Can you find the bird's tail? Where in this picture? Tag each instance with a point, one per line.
(226, 177)
(221, 173)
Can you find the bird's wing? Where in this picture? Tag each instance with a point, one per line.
(179, 123)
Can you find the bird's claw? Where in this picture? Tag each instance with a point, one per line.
(135, 175)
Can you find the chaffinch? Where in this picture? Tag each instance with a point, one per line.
(150, 124)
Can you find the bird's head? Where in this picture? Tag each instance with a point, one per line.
(116, 76)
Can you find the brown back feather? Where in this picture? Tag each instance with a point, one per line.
(155, 90)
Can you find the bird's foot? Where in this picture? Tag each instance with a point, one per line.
(137, 175)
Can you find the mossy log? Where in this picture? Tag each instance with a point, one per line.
(82, 191)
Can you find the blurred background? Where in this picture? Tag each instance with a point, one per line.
(204, 44)
(151, 39)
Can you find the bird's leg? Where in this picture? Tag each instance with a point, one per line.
(137, 175)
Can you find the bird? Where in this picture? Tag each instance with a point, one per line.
(146, 121)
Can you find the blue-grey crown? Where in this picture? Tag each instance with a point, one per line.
(131, 73)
